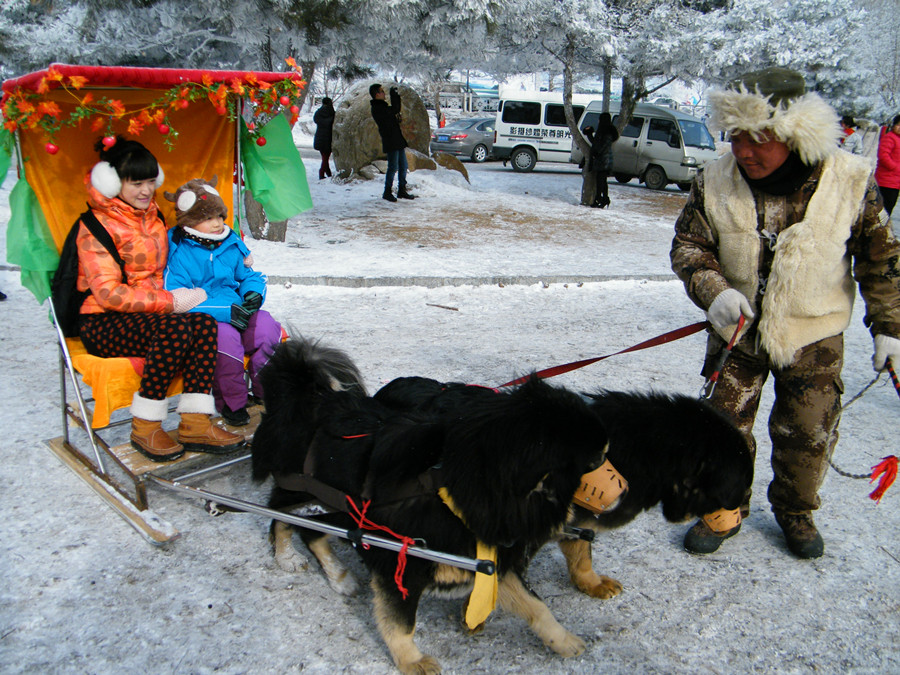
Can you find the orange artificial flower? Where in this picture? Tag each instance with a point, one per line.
(54, 75)
(291, 62)
(10, 126)
(88, 98)
(237, 86)
(77, 81)
(98, 123)
(251, 79)
(48, 108)
(207, 80)
(135, 127)
(117, 108)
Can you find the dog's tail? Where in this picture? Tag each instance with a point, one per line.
(300, 375)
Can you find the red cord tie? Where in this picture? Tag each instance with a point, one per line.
(363, 522)
(887, 469)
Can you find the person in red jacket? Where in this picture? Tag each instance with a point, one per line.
(887, 173)
(137, 317)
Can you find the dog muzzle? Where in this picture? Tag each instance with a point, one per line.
(723, 520)
(601, 488)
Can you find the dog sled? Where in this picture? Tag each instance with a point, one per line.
(223, 123)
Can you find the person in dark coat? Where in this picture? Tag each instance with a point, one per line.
(601, 157)
(387, 117)
(324, 119)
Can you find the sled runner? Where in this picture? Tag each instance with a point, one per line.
(220, 123)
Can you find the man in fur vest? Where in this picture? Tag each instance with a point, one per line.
(769, 232)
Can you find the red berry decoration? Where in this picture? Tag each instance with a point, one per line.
(163, 129)
(285, 100)
(251, 126)
(51, 149)
(109, 141)
(221, 109)
(183, 104)
(260, 141)
(295, 110)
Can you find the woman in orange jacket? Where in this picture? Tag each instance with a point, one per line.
(129, 313)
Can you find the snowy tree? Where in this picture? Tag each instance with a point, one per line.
(878, 46)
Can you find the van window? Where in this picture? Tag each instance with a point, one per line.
(696, 135)
(522, 112)
(665, 131)
(590, 119)
(555, 115)
(633, 128)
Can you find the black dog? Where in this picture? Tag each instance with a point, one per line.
(511, 465)
(673, 450)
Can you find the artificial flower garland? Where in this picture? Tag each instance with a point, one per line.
(28, 109)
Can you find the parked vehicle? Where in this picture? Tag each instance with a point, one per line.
(658, 146)
(470, 137)
(532, 127)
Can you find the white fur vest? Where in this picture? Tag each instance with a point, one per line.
(810, 289)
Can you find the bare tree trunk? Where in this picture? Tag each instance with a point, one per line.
(588, 180)
(259, 224)
(607, 83)
(309, 69)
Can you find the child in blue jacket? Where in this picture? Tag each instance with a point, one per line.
(205, 253)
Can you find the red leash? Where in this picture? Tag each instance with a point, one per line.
(887, 468)
(676, 334)
(707, 390)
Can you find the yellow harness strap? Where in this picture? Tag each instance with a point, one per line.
(483, 598)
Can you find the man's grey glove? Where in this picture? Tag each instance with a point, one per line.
(886, 347)
(727, 308)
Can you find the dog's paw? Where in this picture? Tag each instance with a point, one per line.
(345, 583)
(603, 587)
(290, 560)
(567, 645)
(427, 665)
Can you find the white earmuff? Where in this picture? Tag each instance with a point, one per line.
(160, 177)
(186, 201)
(105, 180)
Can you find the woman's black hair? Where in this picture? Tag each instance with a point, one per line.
(131, 160)
(896, 120)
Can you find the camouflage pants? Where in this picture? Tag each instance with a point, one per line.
(803, 424)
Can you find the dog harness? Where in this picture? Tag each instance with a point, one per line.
(483, 597)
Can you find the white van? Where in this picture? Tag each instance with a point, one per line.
(658, 146)
(532, 127)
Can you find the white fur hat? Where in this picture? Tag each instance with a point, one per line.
(774, 99)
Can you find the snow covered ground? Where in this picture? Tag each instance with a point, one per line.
(488, 281)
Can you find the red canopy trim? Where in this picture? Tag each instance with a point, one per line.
(139, 78)
(66, 95)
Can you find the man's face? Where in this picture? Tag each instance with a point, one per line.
(379, 94)
(758, 159)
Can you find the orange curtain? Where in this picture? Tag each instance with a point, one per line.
(205, 147)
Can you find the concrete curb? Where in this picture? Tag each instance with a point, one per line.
(437, 282)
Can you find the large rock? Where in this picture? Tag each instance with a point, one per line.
(356, 142)
(450, 162)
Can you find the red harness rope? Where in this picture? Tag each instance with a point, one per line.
(363, 522)
(676, 334)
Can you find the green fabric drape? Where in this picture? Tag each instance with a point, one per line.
(29, 243)
(274, 173)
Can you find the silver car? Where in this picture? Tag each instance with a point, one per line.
(471, 137)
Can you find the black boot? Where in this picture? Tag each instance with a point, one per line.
(801, 535)
(236, 418)
(389, 196)
(403, 194)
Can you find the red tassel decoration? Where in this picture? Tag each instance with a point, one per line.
(887, 469)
